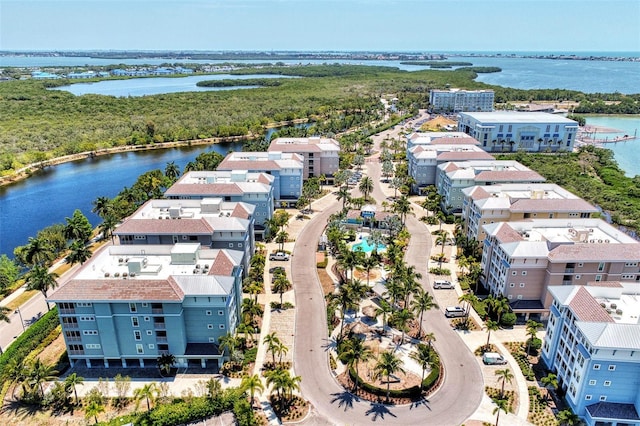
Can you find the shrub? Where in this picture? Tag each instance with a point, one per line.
(534, 345)
(439, 271)
(508, 319)
(250, 356)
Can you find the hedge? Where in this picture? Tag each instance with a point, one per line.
(412, 392)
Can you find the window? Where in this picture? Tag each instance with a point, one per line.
(524, 272)
(88, 318)
(210, 326)
(521, 284)
(84, 304)
(577, 277)
(208, 313)
(603, 397)
(598, 277)
(612, 368)
(230, 245)
(607, 382)
(133, 307)
(93, 346)
(152, 346)
(135, 322)
(514, 272)
(512, 284)
(90, 332)
(592, 382)
(600, 266)
(137, 335)
(596, 366)
(588, 397)
(580, 265)
(149, 333)
(147, 319)
(221, 326)
(139, 349)
(145, 304)
(220, 312)
(212, 339)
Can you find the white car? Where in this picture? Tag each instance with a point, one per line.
(279, 256)
(442, 284)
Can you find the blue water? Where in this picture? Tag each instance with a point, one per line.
(366, 247)
(156, 85)
(627, 154)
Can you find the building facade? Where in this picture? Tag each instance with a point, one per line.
(483, 205)
(521, 260)
(592, 343)
(320, 155)
(285, 167)
(511, 131)
(457, 100)
(453, 177)
(128, 305)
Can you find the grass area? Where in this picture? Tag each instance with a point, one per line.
(21, 299)
(326, 282)
(539, 412)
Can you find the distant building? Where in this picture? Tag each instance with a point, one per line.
(511, 131)
(285, 167)
(128, 305)
(439, 138)
(453, 177)
(320, 155)
(592, 344)
(457, 100)
(483, 205)
(521, 260)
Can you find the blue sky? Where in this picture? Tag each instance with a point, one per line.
(401, 25)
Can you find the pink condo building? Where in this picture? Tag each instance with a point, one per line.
(320, 155)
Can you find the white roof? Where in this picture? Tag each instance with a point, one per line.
(611, 335)
(517, 117)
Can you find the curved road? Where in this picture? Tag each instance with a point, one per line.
(452, 404)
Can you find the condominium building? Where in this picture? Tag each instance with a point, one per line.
(482, 205)
(522, 259)
(439, 138)
(237, 185)
(453, 177)
(320, 154)
(592, 344)
(457, 100)
(423, 160)
(212, 222)
(511, 131)
(129, 304)
(285, 167)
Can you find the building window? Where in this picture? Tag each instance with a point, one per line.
(524, 272)
(208, 313)
(521, 284)
(149, 333)
(514, 272)
(612, 368)
(580, 265)
(592, 382)
(133, 307)
(88, 318)
(210, 326)
(512, 284)
(588, 397)
(90, 332)
(145, 304)
(152, 346)
(137, 335)
(221, 326)
(212, 339)
(135, 322)
(596, 366)
(577, 277)
(84, 304)
(93, 346)
(607, 382)
(598, 277)
(600, 266)
(220, 313)
(147, 319)
(139, 349)
(230, 245)
(603, 397)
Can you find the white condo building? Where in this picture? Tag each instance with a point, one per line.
(457, 100)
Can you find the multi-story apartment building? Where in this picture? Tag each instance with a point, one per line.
(320, 154)
(457, 100)
(513, 131)
(128, 305)
(423, 160)
(237, 185)
(285, 167)
(522, 259)
(439, 138)
(592, 343)
(482, 205)
(212, 222)
(453, 177)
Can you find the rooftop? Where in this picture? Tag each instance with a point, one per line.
(233, 182)
(193, 209)
(272, 160)
(311, 144)
(450, 152)
(517, 117)
(490, 171)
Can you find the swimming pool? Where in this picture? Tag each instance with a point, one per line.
(366, 247)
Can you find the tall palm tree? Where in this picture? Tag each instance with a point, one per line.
(78, 253)
(402, 206)
(148, 392)
(410, 282)
(38, 252)
(228, 343)
(93, 409)
(107, 226)
(532, 331)
(281, 285)
(172, 171)
(387, 365)
(429, 338)
(401, 320)
(348, 260)
(281, 349)
(15, 372)
(250, 310)
(282, 238)
(384, 310)
(422, 301)
(425, 356)
(550, 381)
(368, 263)
(165, 362)
(102, 206)
(344, 194)
(39, 373)
(505, 376)
(501, 405)
(354, 351)
(568, 418)
(253, 384)
(491, 325)
(470, 299)
(366, 187)
(39, 278)
(72, 381)
(272, 341)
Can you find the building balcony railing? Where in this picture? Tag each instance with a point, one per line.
(161, 340)
(569, 270)
(74, 339)
(67, 311)
(159, 325)
(71, 352)
(565, 282)
(71, 326)
(156, 311)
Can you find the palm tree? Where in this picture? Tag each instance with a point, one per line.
(348, 260)
(532, 331)
(501, 405)
(72, 381)
(410, 282)
(102, 206)
(39, 373)
(384, 310)
(272, 341)
(79, 253)
(107, 226)
(165, 362)
(402, 206)
(505, 376)
(4, 311)
(354, 351)
(172, 171)
(282, 238)
(15, 372)
(401, 320)
(470, 299)
(550, 381)
(429, 337)
(491, 325)
(424, 356)
(38, 252)
(281, 349)
(253, 384)
(228, 343)
(370, 262)
(39, 278)
(387, 365)
(250, 310)
(281, 285)
(568, 418)
(148, 392)
(93, 409)
(366, 187)
(422, 301)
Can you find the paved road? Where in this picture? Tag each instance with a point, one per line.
(30, 311)
(452, 404)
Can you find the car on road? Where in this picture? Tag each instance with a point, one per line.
(279, 256)
(442, 284)
(493, 358)
(454, 312)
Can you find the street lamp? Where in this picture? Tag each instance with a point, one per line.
(17, 311)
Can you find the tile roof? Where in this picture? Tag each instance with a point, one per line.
(508, 175)
(555, 204)
(464, 155)
(115, 289)
(222, 265)
(595, 252)
(204, 189)
(586, 307)
(507, 234)
(240, 211)
(612, 284)
(164, 226)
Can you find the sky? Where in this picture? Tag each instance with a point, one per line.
(322, 25)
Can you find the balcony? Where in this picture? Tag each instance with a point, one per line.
(567, 282)
(157, 311)
(71, 326)
(569, 270)
(70, 311)
(159, 325)
(74, 339)
(75, 352)
(162, 340)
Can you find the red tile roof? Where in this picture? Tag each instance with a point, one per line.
(240, 212)
(508, 176)
(586, 308)
(222, 265)
(118, 289)
(204, 189)
(464, 155)
(164, 226)
(506, 234)
(613, 284)
(595, 252)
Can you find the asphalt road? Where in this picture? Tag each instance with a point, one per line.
(30, 311)
(452, 404)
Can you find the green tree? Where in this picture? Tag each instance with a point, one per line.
(228, 344)
(272, 341)
(37, 251)
(73, 380)
(147, 392)
(39, 278)
(93, 409)
(532, 331)
(37, 374)
(388, 364)
(9, 272)
(344, 194)
(107, 226)
(102, 206)
(402, 206)
(165, 362)
(354, 351)
(281, 285)
(384, 310)
(252, 384)
(550, 381)
(491, 325)
(501, 405)
(78, 253)
(568, 418)
(282, 238)
(422, 301)
(425, 356)
(505, 376)
(366, 186)
(78, 227)
(172, 171)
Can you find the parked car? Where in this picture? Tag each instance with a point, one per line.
(493, 358)
(442, 284)
(279, 256)
(454, 312)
